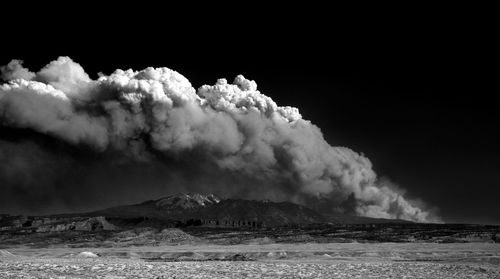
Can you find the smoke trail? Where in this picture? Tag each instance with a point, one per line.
(230, 129)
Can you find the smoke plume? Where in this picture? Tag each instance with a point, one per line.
(152, 130)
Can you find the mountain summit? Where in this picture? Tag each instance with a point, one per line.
(186, 201)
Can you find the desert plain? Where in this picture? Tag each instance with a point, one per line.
(276, 260)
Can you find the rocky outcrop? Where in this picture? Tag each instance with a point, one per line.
(87, 224)
(55, 224)
(231, 223)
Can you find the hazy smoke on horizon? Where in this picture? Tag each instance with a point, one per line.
(151, 127)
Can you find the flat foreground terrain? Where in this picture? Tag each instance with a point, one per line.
(347, 260)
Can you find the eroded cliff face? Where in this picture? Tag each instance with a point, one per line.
(54, 224)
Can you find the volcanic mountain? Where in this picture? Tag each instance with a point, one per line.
(198, 209)
(194, 208)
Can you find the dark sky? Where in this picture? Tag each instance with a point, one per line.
(411, 92)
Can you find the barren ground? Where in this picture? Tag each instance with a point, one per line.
(338, 260)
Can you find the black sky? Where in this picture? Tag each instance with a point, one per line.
(411, 92)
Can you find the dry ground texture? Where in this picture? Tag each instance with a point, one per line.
(336, 260)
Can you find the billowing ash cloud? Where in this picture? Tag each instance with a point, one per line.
(15, 70)
(154, 117)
